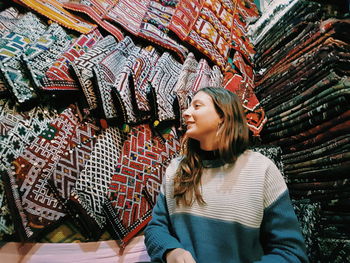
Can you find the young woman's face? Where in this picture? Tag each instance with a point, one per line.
(201, 118)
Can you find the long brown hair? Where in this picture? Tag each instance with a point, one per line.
(234, 139)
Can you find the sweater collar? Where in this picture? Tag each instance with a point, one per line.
(211, 159)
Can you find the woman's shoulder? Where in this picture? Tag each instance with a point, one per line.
(257, 156)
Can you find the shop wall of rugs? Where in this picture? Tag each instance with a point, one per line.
(302, 81)
(92, 92)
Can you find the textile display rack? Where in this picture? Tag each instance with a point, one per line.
(91, 98)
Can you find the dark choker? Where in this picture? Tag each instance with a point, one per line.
(211, 159)
(208, 155)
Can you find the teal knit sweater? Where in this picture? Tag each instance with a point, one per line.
(248, 216)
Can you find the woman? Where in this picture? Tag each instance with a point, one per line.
(221, 202)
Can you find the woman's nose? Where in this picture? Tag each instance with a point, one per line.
(186, 113)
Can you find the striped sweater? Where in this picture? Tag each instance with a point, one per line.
(248, 216)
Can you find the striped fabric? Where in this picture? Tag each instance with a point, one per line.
(222, 183)
(248, 216)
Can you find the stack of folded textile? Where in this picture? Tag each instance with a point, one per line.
(302, 62)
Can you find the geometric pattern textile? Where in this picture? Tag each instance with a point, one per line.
(148, 19)
(57, 77)
(141, 70)
(129, 14)
(109, 76)
(82, 68)
(205, 25)
(40, 55)
(206, 77)
(54, 10)
(136, 181)
(162, 80)
(72, 161)
(34, 205)
(8, 19)
(28, 125)
(91, 187)
(255, 114)
(183, 87)
(155, 23)
(96, 10)
(28, 29)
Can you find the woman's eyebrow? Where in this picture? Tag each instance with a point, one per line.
(196, 100)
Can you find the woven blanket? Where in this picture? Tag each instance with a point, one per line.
(91, 187)
(141, 71)
(28, 29)
(82, 68)
(254, 113)
(40, 55)
(148, 19)
(96, 9)
(183, 88)
(129, 14)
(205, 25)
(136, 181)
(54, 10)
(162, 80)
(308, 214)
(111, 76)
(8, 20)
(57, 77)
(34, 206)
(23, 131)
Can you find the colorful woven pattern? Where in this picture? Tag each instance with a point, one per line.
(254, 112)
(54, 10)
(96, 9)
(163, 79)
(21, 129)
(28, 29)
(107, 75)
(154, 26)
(34, 205)
(8, 20)
(57, 77)
(91, 187)
(141, 69)
(42, 53)
(129, 14)
(142, 162)
(205, 25)
(82, 68)
(183, 87)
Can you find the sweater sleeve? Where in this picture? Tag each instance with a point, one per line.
(158, 236)
(281, 237)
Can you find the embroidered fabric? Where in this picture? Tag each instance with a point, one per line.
(162, 80)
(106, 76)
(148, 19)
(8, 20)
(82, 68)
(21, 128)
(28, 29)
(58, 77)
(183, 88)
(91, 187)
(39, 56)
(136, 181)
(33, 204)
(54, 10)
(96, 9)
(254, 112)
